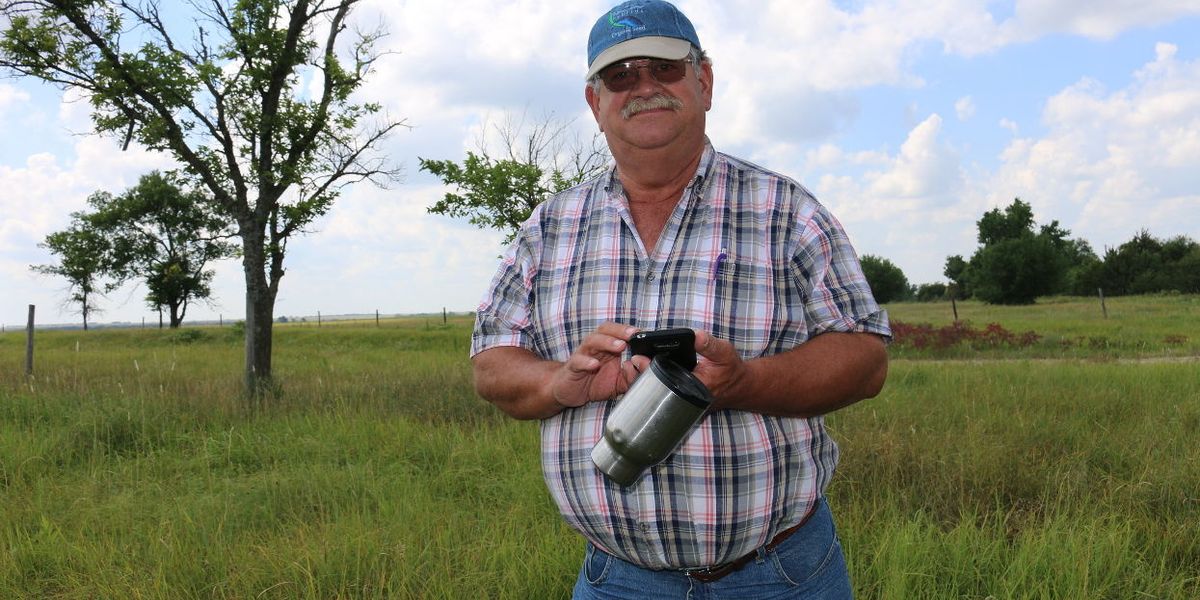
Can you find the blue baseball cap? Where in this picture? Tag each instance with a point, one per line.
(650, 28)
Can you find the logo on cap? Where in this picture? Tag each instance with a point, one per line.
(626, 21)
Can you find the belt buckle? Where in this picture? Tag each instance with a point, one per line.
(709, 574)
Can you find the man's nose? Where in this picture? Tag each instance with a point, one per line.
(646, 82)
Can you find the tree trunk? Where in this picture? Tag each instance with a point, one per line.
(260, 310)
(176, 317)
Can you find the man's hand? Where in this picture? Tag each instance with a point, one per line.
(527, 386)
(828, 372)
(595, 370)
(722, 370)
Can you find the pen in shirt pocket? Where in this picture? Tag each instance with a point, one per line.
(720, 261)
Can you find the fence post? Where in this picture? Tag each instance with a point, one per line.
(318, 318)
(29, 344)
(954, 307)
(1103, 308)
(443, 315)
(377, 317)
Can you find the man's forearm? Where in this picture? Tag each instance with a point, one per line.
(527, 386)
(516, 381)
(830, 371)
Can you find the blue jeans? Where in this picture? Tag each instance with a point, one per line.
(807, 565)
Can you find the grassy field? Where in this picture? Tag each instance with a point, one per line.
(131, 468)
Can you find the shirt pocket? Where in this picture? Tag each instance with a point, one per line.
(740, 303)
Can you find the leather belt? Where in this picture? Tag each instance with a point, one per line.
(711, 574)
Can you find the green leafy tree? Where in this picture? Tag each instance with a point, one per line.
(81, 251)
(165, 236)
(1080, 260)
(1016, 263)
(931, 292)
(1146, 264)
(1187, 271)
(956, 271)
(1015, 271)
(496, 194)
(501, 192)
(1014, 222)
(887, 281)
(230, 100)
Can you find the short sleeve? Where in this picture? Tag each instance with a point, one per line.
(503, 316)
(838, 297)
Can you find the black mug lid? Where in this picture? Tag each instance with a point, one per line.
(681, 381)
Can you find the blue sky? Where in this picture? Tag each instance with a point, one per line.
(909, 119)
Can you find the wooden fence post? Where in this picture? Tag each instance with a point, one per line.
(318, 318)
(377, 317)
(954, 307)
(29, 344)
(1103, 308)
(444, 315)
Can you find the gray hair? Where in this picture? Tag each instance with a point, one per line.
(695, 56)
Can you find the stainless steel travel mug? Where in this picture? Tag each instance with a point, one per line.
(650, 421)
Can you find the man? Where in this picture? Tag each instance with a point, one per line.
(679, 235)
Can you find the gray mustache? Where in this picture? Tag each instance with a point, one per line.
(654, 102)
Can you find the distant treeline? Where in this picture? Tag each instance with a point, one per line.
(1016, 263)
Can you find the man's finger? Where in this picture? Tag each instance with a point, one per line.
(579, 363)
(617, 330)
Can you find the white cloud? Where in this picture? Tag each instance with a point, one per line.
(816, 50)
(1100, 19)
(927, 168)
(75, 112)
(11, 96)
(908, 206)
(42, 192)
(964, 108)
(1114, 162)
(1111, 162)
(924, 174)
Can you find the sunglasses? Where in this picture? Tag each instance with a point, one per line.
(623, 76)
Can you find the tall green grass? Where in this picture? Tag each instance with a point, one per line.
(1024, 480)
(130, 467)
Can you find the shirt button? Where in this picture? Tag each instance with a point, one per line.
(650, 277)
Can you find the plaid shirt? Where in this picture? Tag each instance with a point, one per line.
(748, 255)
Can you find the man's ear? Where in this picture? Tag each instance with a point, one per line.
(706, 80)
(593, 100)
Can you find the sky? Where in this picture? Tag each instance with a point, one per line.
(908, 118)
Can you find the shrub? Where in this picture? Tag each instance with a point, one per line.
(188, 336)
(924, 336)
